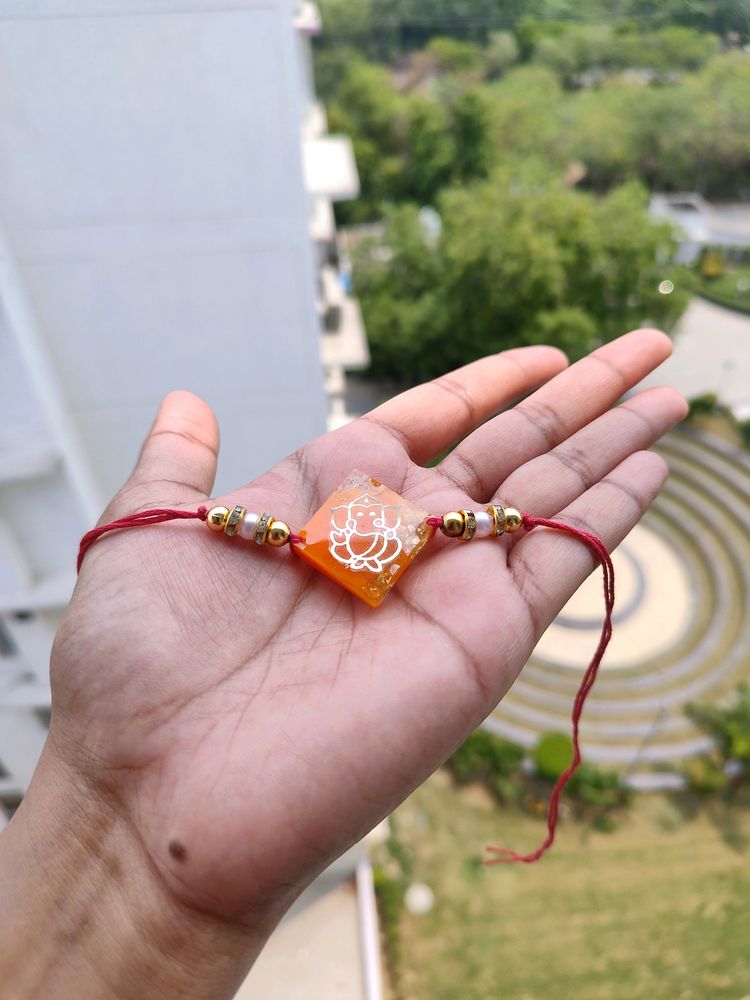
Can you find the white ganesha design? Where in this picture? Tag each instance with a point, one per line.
(364, 534)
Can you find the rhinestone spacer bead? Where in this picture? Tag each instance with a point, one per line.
(471, 525)
(261, 528)
(233, 521)
(498, 516)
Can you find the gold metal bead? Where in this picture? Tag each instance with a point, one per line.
(278, 533)
(217, 518)
(453, 524)
(232, 525)
(512, 519)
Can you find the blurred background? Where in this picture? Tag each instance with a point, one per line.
(377, 191)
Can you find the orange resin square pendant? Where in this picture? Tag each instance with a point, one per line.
(364, 537)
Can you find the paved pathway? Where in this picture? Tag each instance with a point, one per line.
(711, 354)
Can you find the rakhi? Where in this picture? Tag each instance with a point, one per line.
(364, 538)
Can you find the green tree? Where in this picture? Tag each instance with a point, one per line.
(576, 49)
(528, 31)
(720, 16)
(398, 282)
(527, 116)
(665, 50)
(368, 108)
(429, 153)
(383, 29)
(501, 53)
(371, 103)
(474, 153)
(520, 259)
(453, 55)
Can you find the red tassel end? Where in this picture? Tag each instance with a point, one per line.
(599, 549)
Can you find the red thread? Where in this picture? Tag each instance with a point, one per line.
(155, 516)
(608, 572)
(434, 522)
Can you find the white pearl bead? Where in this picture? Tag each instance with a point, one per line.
(247, 526)
(484, 524)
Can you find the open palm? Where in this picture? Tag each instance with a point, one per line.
(249, 718)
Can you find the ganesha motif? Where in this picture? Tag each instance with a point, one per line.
(364, 534)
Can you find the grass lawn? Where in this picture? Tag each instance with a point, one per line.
(657, 910)
(731, 289)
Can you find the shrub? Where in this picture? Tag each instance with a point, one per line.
(712, 263)
(705, 776)
(493, 761)
(553, 753)
(389, 893)
(484, 753)
(728, 727)
(594, 786)
(708, 402)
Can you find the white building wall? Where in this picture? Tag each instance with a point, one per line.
(151, 191)
(154, 234)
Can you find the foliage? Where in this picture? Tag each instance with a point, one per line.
(389, 893)
(390, 881)
(709, 412)
(730, 288)
(521, 259)
(597, 918)
(572, 50)
(452, 55)
(693, 134)
(490, 760)
(368, 108)
(728, 726)
(712, 263)
(595, 791)
(400, 853)
(407, 147)
(705, 775)
(708, 402)
(502, 52)
(665, 51)
(429, 151)
(541, 189)
(470, 114)
(595, 786)
(552, 755)
(385, 29)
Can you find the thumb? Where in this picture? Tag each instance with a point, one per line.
(177, 462)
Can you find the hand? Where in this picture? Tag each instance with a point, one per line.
(245, 719)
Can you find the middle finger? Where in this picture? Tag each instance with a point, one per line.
(553, 413)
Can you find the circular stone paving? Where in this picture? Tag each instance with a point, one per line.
(682, 629)
(650, 576)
